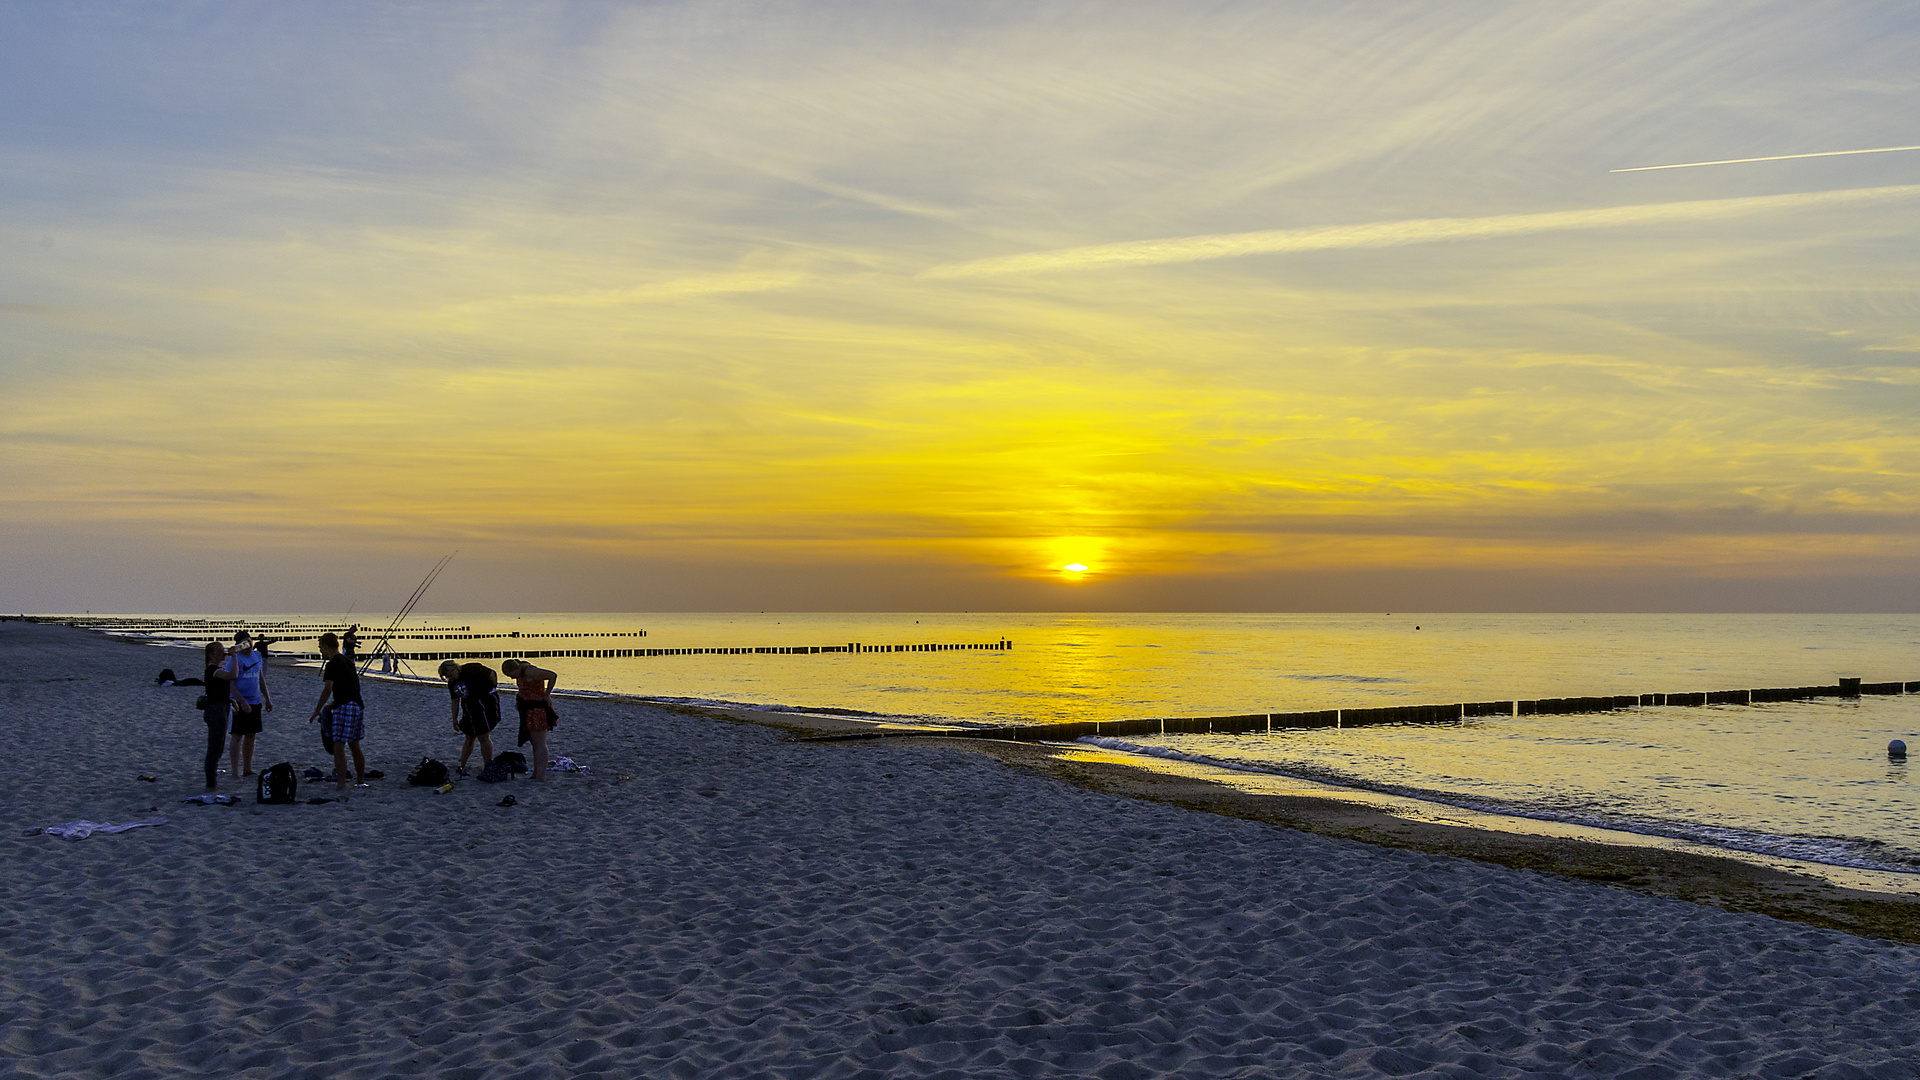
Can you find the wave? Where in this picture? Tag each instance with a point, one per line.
(1847, 851)
(1346, 678)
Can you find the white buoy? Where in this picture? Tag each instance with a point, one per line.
(1897, 750)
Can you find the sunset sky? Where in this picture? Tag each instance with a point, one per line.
(905, 306)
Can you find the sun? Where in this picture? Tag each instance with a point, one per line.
(1072, 560)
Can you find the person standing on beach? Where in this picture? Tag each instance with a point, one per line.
(219, 700)
(345, 719)
(534, 699)
(248, 670)
(476, 710)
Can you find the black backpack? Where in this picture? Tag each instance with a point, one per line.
(514, 760)
(429, 773)
(278, 784)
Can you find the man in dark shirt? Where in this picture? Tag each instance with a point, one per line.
(476, 709)
(345, 719)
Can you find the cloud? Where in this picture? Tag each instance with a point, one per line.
(667, 291)
(1776, 157)
(1400, 233)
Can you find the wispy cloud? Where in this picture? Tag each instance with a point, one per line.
(1400, 233)
(662, 292)
(1776, 157)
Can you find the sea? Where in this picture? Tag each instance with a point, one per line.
(1806, 780)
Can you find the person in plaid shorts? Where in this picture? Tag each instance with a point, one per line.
(346, 717)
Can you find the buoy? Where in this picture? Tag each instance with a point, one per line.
(1897, 750)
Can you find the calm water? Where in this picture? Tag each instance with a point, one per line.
(1805, 779)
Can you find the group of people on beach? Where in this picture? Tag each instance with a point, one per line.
(475, 707)
(237, 696)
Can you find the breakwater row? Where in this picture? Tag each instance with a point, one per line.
(203, 630)
(1262, 723)
(1001, 645)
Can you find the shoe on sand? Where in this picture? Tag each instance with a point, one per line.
(508, 801)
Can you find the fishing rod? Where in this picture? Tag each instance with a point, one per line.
(405, 610)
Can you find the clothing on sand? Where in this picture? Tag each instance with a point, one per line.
(80, 830)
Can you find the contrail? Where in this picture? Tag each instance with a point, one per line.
(1776, 157)
(1397, 233)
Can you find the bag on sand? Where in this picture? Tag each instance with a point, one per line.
(495, 772)
(514, 760)
(278, 784)
(429, 773)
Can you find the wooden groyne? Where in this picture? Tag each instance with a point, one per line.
(216, 629)
(1262, 723)
(1002, 645)
(220, 629)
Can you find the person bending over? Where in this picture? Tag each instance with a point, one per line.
(475, 710)
(248, 670)
(345, 719)
(534, 700)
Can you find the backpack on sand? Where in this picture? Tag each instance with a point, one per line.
(429, 773)
(278, 784)
(515, 761)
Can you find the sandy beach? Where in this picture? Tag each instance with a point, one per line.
(717, 899)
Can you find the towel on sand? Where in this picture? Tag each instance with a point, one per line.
(80, 830)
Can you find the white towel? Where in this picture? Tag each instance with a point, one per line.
(80, 830)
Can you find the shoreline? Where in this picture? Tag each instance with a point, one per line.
(1724, 881)
(1694, 873)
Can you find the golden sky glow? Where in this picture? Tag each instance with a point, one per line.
(748, 305)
